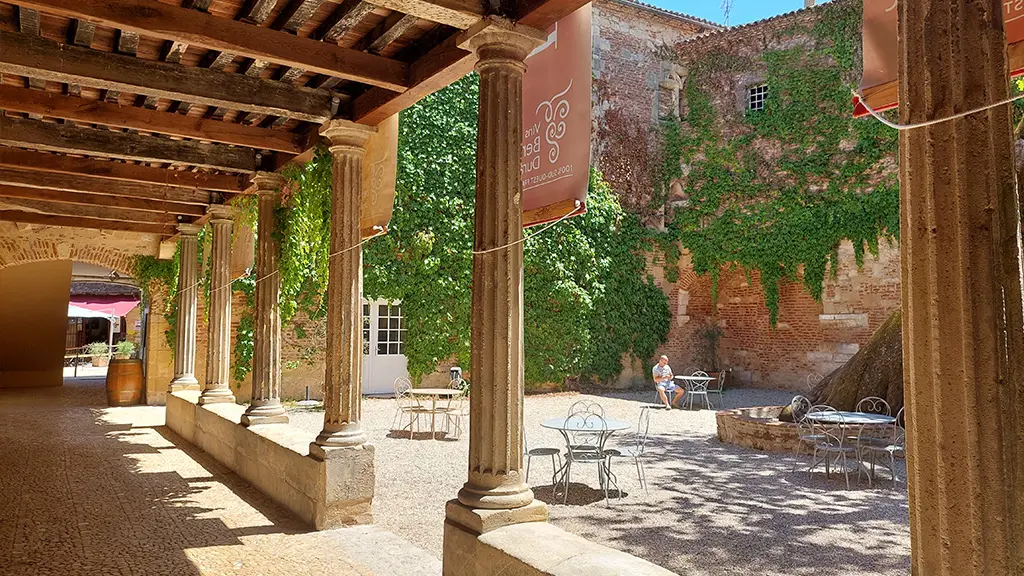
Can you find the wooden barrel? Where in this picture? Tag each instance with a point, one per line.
(124, 382)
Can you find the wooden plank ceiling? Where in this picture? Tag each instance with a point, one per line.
(135, 115)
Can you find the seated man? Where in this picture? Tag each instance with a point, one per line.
(665, 382)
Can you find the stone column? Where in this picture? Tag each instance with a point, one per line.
(963, 339)
(495, 493)
(185, 328)
(349, 464)
(265, 406)
(218, 343)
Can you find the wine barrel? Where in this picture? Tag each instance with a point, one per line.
(124, 382)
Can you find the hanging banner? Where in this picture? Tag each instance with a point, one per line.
(555, 165)
(380, 176)
(879, 35)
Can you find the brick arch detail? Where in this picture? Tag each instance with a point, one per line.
(42, 250)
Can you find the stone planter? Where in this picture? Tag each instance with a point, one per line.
(100, 361)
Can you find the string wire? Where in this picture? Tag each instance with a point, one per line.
(934, 121)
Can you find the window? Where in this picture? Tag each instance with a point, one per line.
(390, 330)
(366, 329)
(756, 96)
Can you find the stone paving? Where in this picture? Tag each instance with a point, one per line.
(97, 491)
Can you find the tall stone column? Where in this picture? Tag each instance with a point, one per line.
(495, 493)
(963, 339)
(343, 379)
(185, 327)
(218, 343)
(265, 406)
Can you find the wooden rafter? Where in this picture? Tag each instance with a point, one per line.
(42, 58)
(107, 114)
(201, 29)
(344, 18)
(78, 222)
(103, 200)
(107, 170)
(76, 183)
(77, 140)
(391, 29)
(89, 211)
(456, 13)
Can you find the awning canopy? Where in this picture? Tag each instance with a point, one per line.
(100, 306)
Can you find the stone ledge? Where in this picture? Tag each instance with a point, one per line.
(758, 428)
(275, 459)
(536, 549)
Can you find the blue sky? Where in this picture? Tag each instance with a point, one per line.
(742, 12)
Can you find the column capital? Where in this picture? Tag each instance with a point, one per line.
(268, 181)
(220, 212)
(346, 135)
(189, 229)
(497, 40)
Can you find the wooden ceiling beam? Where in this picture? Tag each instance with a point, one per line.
(90, 211)
(78, 222)
(344, 18)
(43, 58)
(76, 183)
(76, 140)
(118, 171)
(95, 112)
(85, 199)
(456, 13)
(439, 67)
(214, 33)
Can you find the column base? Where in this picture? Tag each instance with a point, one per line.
(270, 412)
(509, 496)
(483, 520)
(216, 396)
(348, 485)
(349, 437)
(186, 382)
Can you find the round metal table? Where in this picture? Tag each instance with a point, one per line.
(434, 394)
(571, 425)
(850, 418)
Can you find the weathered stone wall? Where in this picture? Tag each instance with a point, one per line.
(22, 243)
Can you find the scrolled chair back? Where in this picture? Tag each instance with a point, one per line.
(585, 406)
(402, 386)
(813, 378)
(900, 430)
(700, 373)
(832, 429)
(697, 386)
(874, 405)
(589, 434)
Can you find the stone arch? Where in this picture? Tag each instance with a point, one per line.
(110, 250)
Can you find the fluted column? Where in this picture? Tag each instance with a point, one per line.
(343, 379)
(496, 345)
(185, 327)
(265, 406)
(218, 344)
(963, 339)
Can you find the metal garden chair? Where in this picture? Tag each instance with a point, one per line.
(636, 450)
(833, 442)
(699, 389)
(586, 446)
(894, 444)
(407, 406)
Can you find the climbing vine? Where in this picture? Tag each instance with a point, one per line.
(775, 191)
(160, 276)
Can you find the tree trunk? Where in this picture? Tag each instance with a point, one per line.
(875, 370)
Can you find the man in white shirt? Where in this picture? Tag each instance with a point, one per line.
(664, 380)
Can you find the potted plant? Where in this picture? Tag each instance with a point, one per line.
(709, 337)
(99, 352)
(124, 350)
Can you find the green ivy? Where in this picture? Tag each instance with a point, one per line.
(800, 177)
(154, 274)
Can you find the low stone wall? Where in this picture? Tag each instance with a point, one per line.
(535, 549)
(759, 428)
(275, 459)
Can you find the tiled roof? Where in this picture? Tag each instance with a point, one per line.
(671, 14)
(723, 30)
(102, 289)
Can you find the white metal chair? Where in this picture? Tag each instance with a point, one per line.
(717, 386)
(799, 406)
(636, 450)
(554, 453)
(812, 379)
(584, 407)
(456, 411)
(698, 389)
(586, 446)
(874, 405)
(833, 442)
(407, 406)
(894, 444)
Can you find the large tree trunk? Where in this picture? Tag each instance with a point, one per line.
(875, 370)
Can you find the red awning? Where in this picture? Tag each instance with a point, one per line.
(111, 305)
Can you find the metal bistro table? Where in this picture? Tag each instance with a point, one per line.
(575, 424)
(852, 420)
(687, 380)
(434, 394)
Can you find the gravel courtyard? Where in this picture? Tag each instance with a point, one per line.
(713, 508)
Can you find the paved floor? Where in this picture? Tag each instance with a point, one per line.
(90, 490)
(713, 509)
